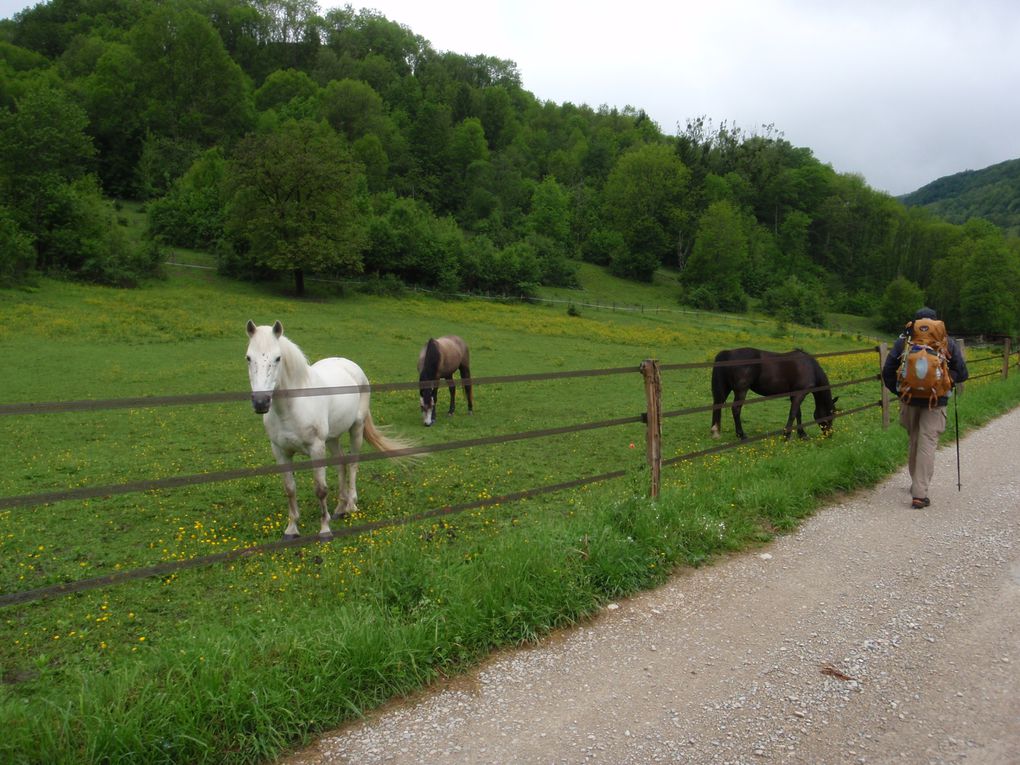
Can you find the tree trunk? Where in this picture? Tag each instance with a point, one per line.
(299, 282)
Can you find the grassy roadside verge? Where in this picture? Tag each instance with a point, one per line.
(237, 663)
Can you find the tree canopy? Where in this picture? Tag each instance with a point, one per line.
(292, 141)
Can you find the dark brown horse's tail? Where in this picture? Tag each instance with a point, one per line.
(720, 390)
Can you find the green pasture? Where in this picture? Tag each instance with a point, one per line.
(239, 662)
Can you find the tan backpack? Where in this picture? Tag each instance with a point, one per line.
(924, 363)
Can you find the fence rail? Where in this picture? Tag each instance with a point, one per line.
(652, 418)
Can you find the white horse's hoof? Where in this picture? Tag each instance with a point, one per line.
(325, 536)
(291, 536)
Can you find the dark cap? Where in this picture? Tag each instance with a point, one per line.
(925, 313)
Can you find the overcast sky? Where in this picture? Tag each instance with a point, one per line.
(902, 92)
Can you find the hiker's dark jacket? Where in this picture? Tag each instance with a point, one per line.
(957, 369)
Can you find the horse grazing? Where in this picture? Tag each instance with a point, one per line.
(768, 374)
(311, 423)
(441, 358)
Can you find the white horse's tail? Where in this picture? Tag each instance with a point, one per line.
(383, 442)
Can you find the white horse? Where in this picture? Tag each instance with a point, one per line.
(311, 423)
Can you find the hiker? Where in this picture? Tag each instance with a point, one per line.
(923, 402)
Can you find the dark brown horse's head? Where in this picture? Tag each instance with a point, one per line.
(825, 412)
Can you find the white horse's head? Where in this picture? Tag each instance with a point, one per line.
(264, 357)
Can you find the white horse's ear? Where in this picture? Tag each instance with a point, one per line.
(251, 328)
(277, 329)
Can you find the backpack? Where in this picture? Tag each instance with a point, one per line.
(924, 363)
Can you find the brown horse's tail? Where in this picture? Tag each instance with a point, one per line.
(386, 443)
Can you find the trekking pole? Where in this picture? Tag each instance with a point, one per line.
(956, 413)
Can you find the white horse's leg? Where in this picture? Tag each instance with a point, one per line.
(290, 487)
(317, 451)
(357, 432)
(341, 478)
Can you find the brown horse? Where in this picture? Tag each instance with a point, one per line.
(768, 374)
(440, 358)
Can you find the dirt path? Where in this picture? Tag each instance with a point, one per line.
(875, 634)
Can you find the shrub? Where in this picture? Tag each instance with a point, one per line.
(795, 301)
(17, 256)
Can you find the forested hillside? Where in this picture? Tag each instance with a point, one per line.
(992, 193)
(292, 142)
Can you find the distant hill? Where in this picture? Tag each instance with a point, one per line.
(992, 193)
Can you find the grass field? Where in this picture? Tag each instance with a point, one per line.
(237, 662)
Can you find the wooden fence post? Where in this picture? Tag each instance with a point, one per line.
(653, 420)
(883, 351)
(1005, 358)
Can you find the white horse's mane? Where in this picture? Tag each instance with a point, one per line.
(293, 365)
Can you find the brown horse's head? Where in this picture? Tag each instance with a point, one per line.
(429, 368)
(427, 401)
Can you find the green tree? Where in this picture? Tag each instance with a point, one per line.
(429, 137)
(604, 246)
(715, 268)
(637, 259)
(44, 150)
(988, 298)
(283, 86)
(191, 215)
(353, 108)
(644, 197)
(945, 283)
(550, 213)
(900, 300)
(17, 256)
(513, 270)
(191, 88)
(407, 240)
(467, 151)
(115, 108)
(294, 201)
(369, 151)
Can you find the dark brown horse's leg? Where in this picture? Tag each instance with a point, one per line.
(795, 402)
(738, 402)
(465, 374)
(717, 413)
(453, 394)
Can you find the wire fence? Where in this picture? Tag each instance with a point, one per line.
(652, 418)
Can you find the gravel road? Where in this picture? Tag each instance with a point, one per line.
(874, 634)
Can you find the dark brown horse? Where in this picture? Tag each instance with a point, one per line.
(769, 374)
(440, 358)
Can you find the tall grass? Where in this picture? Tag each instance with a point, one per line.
(238, 662)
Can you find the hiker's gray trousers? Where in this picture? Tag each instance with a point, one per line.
(924, 426)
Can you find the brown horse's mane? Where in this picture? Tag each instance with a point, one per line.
(430, 365)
